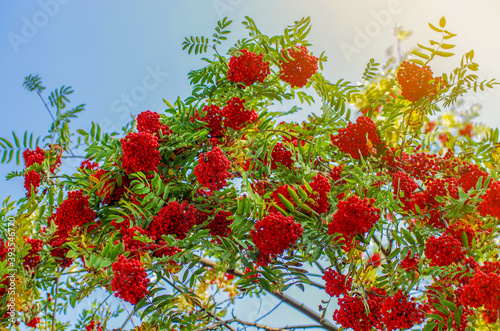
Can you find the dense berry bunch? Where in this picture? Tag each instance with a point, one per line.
(336, 284)
(34, 179)
(212, 169)
(401, 182)
(491, 201)
(488, 267)
(219, 226)
(466, 130)
(482, 290)
(175, 218)
(300, 68)
(414, 81)
(281, 155)
(444, 250)
(336, 174)
(352, 313)
(32, 258)
(129, 280)
(321, 185)
(136, 247)
(236, 116)
(3, 250)
(163, 249)
(214, 120)
(33, 323)
(470, 177)
(353, 139)
(140, 152)
(354, 216)
(419, 165)
(273, 234)
(149, 122)
(400, 313)
(92, 326)
(441, 188)
(375, 259)
(57, 251)
(74, 212)
(490, 316)
(123, 225)
(248, 68)
(89, 165)
(456, 230)
(33, 157)
(409, 263)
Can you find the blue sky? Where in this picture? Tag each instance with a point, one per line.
(124, 57)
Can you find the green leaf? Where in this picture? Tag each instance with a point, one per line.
(286, 202)
(449, 304)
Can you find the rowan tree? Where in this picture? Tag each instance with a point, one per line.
(214, 198)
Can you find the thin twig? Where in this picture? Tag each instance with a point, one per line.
(46, 107)
(55, 302)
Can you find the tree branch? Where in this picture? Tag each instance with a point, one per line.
(283, 297)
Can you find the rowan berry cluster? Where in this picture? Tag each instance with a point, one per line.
(401, 182)
(32, 258)
(92, 326)
(336, 284)
(236, 116)
(219, 226)
(400, 313)
(457, 229)
(175, 218)
(214, 120)
(466, 130)
(375, 259)
(352, 314)
(409, 263)
(415, 81)
(136, 247)
(247, 68)
(37, 156)
(163, 250)
(420, 166)
(354, 216)
(299, 66)
(129, 279)
(470, 177)
(490, 316)
(33, 157)
(74, 212)
(353, 138)
(321, 185)
(149, 122)
(491, 201)
(281, 155)
(444, 250)
(34, 179)
(212, 169)
(482, 290)
(140, 152)
(33, 323)
(336, 174)
(273, 234)
(442, 188)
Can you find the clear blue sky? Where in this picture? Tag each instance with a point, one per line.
(107, 50)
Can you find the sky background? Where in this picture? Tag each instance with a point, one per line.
(107, 50)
